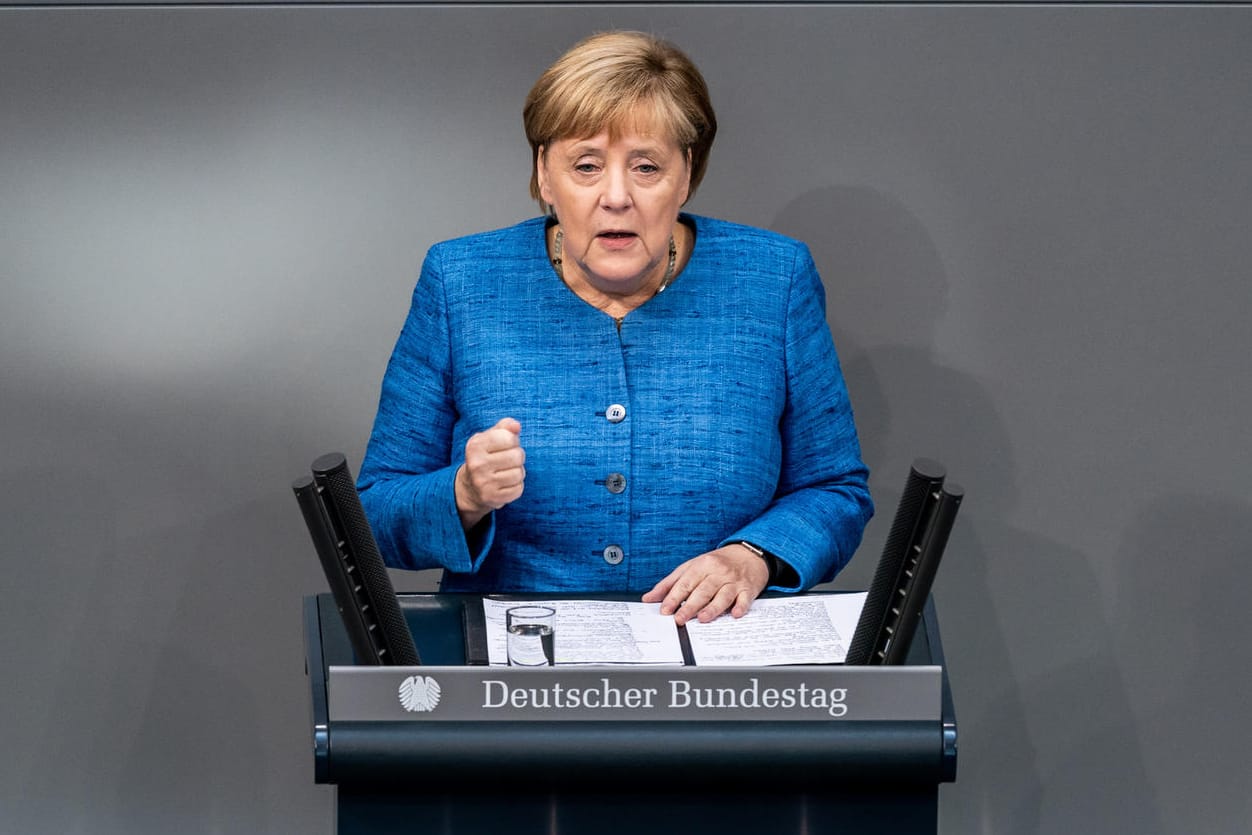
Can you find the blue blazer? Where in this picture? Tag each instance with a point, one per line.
(715, 412)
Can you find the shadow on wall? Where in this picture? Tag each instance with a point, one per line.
(1033, 666)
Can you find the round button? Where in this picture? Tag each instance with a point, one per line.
(616, 413)
(615, 482)
(613, 554)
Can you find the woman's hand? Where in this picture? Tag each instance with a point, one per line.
(493, 474)
(727, 579)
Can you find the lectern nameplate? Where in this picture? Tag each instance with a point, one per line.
(485, 694)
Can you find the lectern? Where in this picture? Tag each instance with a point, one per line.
(430, 749)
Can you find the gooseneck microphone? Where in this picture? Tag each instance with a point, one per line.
(353, 566)
(906, 569)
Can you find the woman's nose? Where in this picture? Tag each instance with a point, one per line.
(616, 192)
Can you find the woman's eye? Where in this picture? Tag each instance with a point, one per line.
(585, 168)
(647, 168)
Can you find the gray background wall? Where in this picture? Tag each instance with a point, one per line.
(1033, 226)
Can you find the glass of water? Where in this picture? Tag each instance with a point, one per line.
(532, 636)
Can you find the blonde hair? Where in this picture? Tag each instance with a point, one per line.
(619, 81)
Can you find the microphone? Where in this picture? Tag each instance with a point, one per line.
(906, 569)
(352, 564)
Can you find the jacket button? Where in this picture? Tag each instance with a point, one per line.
(613, 554)
(615, 413)
(615, 482)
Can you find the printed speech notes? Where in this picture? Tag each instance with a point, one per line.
(813, 629)
(594, 632)
(800, 629)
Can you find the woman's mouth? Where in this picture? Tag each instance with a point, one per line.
(617, 239)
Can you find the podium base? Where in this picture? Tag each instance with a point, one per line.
(864, 810)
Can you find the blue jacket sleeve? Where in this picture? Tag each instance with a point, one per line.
(406, 480)
(821, 507)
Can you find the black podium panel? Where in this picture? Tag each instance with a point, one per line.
(860, 809)
(618, 776)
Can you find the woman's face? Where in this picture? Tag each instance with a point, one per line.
(617, 201)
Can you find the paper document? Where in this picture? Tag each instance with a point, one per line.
(814, 629)
(595, 632)
(800, 629)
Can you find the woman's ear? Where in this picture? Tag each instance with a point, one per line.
(541, 175)
(687, 184)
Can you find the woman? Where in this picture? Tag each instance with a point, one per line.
(618, 396)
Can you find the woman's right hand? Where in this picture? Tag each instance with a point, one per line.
(493, 474)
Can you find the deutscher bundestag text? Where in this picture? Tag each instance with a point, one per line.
(681, 695)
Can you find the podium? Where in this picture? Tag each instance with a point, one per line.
(875, 770)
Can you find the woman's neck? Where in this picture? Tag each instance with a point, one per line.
(617, 305)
